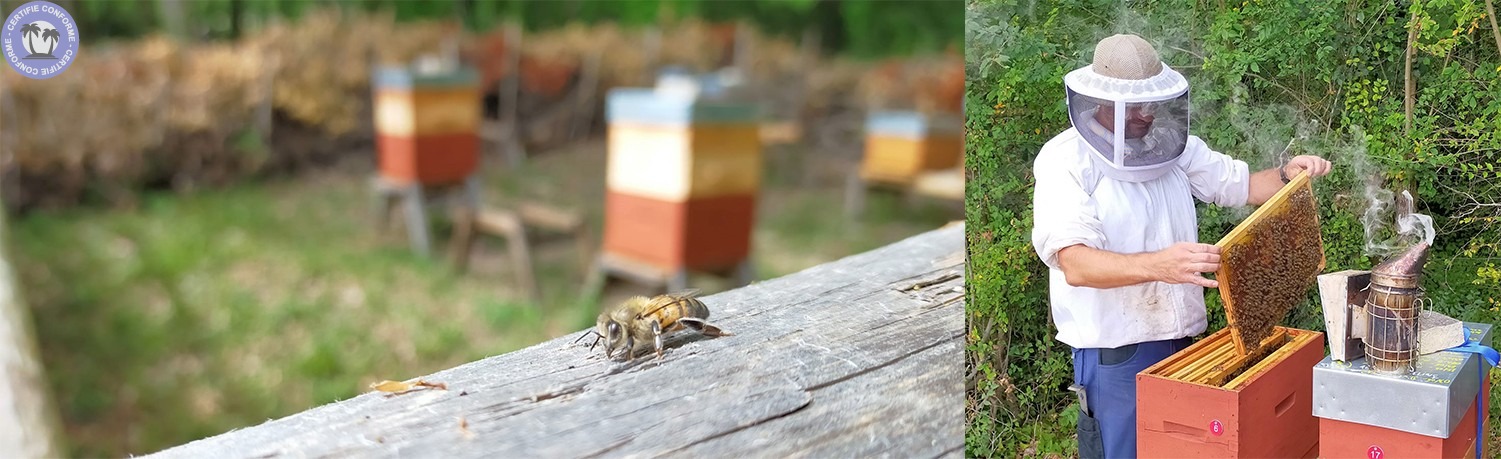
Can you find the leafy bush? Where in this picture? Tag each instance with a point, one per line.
(1328, 75)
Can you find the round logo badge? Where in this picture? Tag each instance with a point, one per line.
(39, 39)
(1375, 452)
(1216, 428)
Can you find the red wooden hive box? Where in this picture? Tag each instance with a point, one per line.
(1348, 439)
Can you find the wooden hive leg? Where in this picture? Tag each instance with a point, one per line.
(678, 281)
(382, 202)
(415, 204)
(461, 244)
(508, 226)
(464, 216)
(583, 114)
(560, 221)
(510, 99)
(472, 192)
(584, 240)
(745, 272)
(521, 258)
(595, 279)
(855, 191)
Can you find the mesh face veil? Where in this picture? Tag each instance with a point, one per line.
(1130, 109)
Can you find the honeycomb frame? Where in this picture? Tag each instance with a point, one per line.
(1268, 263)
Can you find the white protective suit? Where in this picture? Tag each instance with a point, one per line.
(1077, 202)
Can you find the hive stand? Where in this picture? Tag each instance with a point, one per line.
(414, 198)
(511, 225)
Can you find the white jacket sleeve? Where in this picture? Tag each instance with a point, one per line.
(1063, 213)
(1215, 177)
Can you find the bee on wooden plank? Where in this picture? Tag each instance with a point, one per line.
(639, 322)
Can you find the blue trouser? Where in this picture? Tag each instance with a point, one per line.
(1109, 380)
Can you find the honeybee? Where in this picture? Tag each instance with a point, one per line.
(640, 321)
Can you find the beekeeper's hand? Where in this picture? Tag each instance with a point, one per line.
(1316, 166)
(1183, 262)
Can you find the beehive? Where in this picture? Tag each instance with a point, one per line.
(900, 146)
(682, 178)
(1232, 407)
(1268, 263)
(426, 125)
(1246, 390)
(1430, 412)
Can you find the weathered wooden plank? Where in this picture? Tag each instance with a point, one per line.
(859, 357)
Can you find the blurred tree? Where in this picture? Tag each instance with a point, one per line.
(860, 28)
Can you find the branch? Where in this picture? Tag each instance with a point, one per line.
(1490, 12)
(1411, 86)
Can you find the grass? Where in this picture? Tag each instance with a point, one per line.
(194, 315)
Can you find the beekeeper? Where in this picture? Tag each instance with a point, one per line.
(1114, 221)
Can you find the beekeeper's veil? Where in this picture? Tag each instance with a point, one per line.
(1144, 126)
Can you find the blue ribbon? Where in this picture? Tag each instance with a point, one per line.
(1493, 358)
(1488, 353)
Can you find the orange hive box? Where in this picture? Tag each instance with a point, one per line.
(426, 125)
(899, 146)
(1246, 390)
(1264, 411)
(683, 175)
(1348, 439)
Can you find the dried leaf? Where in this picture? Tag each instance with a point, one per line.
(391, 386)
(399, 387)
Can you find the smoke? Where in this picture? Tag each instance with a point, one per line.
(1389, 221)
(1410, 223)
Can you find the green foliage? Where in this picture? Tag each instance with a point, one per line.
(1330, 76)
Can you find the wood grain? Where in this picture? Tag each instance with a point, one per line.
(845, 359)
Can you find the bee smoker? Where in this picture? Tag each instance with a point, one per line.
(1396, 401)
(1375, 314)
(1392, 307)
